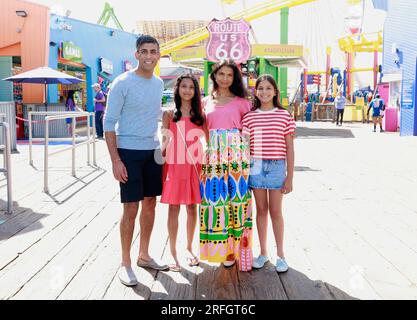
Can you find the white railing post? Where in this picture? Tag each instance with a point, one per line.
(51, 116)
(7, 165)
(94, 138)
(73, 124)
(88, 138)
(45, 160)
(30, 139)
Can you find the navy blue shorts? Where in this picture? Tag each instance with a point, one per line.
(144, 170)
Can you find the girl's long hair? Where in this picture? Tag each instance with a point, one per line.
(237, 87)
(275, 99)
(70, 96)
(196, 115)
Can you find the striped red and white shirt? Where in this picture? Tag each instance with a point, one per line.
(267, 131)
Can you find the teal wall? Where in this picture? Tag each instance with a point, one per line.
(6, 87)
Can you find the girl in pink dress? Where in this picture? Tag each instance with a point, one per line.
(183, 152)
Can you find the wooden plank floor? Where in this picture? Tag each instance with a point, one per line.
(350, 229)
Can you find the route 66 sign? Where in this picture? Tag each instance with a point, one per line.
(228, 39)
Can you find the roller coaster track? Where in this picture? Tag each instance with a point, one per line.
(249, 14)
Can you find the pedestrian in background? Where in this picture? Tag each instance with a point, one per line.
(99, 107)
(339, 103)
(378, 106)
(71, 107)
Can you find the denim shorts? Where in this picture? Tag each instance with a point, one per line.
(267, 174)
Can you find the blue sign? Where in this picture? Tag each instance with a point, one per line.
(407, 97)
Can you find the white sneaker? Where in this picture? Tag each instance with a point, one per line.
(259, 262)
(281, 265)
(127, 276)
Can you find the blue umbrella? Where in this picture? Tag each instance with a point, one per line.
(46, 76)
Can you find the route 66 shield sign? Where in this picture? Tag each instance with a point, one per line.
(228, 39)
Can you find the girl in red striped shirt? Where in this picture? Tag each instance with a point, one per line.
(270, 129)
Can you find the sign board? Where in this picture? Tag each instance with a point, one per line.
(127, 65)
(193, 53)
(106, 66)
(277, 50)
(228, 39)
(71, 52)
(407, 94)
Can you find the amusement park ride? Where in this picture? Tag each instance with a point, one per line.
(182, 51)
(249, 14)
(108, 12)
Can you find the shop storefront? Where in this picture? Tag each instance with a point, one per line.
(94, 53)
(32, 38)
(400, 63)
(70, 62)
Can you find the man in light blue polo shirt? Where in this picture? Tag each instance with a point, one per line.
(131, 125)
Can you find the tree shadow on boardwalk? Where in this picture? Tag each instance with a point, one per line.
(317, 133)
(211, 282)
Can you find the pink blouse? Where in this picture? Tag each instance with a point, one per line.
(227, 116)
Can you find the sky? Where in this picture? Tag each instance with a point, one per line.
(314, 25)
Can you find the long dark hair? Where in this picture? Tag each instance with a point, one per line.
(275, 99)
(196, 115)
(70, 96)
(237, 87)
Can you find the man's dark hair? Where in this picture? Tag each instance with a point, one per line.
(144, 38)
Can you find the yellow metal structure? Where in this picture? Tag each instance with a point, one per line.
(249, 14)
(353, 2)
(277, 54)
(316, 72)
(369, 42)
(361, 69)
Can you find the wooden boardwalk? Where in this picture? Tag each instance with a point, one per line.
(351, 227)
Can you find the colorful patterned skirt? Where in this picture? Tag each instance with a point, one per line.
(226, 211)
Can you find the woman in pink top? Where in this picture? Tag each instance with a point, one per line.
(183, 154)
(226, 220)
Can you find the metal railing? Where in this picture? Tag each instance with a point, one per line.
(51, 116)
(7, 162)
(74, 144)
(323, 112)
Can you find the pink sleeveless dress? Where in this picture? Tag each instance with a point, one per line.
(182, 183)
